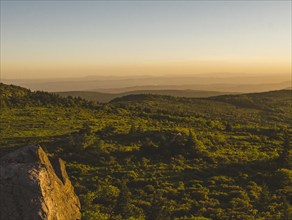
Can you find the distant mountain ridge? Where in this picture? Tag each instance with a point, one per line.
(117, 84)
(106, 97)
(224, 88)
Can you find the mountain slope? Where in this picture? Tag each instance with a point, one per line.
(265, 100)
(11, 95)
(224, 157)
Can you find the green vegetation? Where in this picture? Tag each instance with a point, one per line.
(161, 157)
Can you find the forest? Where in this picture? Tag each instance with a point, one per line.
(158, 157)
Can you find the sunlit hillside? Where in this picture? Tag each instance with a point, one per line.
(163, 157)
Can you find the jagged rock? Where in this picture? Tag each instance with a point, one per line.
(34, 188)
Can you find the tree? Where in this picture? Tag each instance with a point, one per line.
(123, 203)
(133, 129)
(193, 146)
(285, 157)
(148, 147)
(287, 209)
(264, 199)
(97, 147)
(283, 177)
(228, 127)
(139, 129)
(159, 209)
(86, 130)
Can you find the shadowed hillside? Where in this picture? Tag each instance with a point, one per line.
(13, 96)
(106, 97)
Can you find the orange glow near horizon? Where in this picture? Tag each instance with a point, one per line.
(74, 69)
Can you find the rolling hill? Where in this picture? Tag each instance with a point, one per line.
(106, 97)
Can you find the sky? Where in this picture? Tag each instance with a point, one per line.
(42, 39)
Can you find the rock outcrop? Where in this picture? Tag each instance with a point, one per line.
(35, 187)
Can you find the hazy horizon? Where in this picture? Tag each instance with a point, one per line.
(116, 76)
(207, 82)
(51, 39)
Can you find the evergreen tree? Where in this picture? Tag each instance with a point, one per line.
(133, 129)
(159, 209)
(86, 130)
(123, 203)
(264, 198)
(287, 210)
(285, 157)
(193, 145)
(228, 127)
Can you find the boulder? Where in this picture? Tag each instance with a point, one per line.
(34, 186)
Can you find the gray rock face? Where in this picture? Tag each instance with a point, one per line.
(34, 188)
